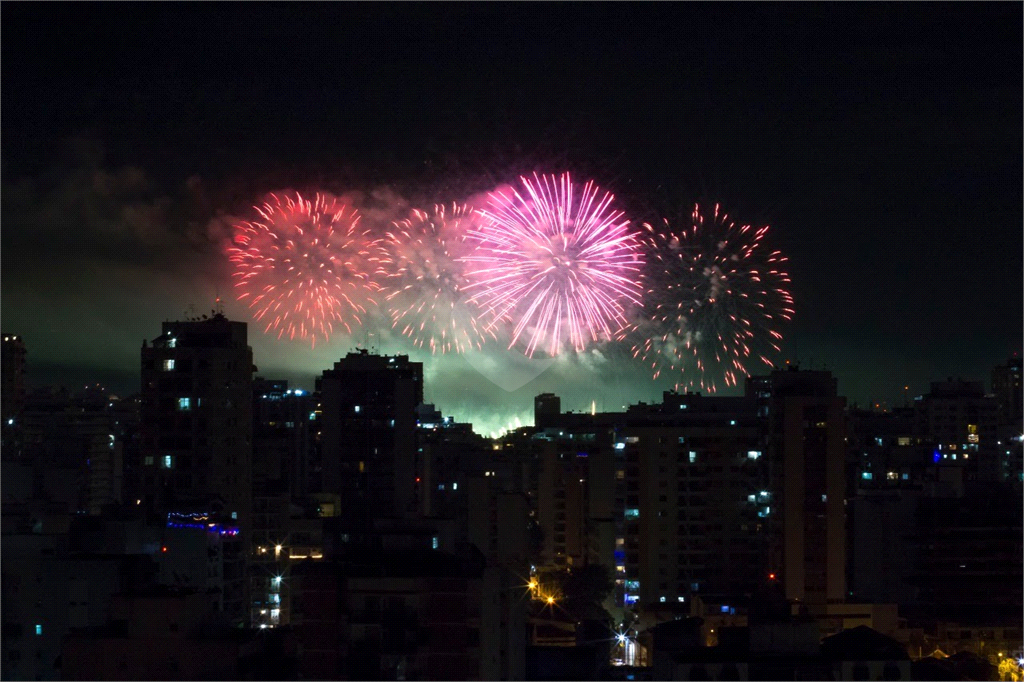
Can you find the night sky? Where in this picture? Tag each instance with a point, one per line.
(882, 143)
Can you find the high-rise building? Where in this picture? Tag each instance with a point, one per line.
(696, 502)
(1007, 387)
(958, 424)
(368, 433)
(196, 437)
(806, 454)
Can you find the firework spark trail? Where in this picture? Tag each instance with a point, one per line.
(305, 265)
(714, 302)
(424, 292)
(555, 261)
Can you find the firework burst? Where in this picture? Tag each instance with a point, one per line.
(715, 301)
(555, 262)
(424, 292)
(305, 267)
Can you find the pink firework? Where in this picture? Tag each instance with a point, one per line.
(557, 262)
(716, 301)
(305, 266)
(424, 292)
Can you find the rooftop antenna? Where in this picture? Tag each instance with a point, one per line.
(191, 314)
(219, 307)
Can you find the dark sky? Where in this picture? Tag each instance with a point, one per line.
(882, 142)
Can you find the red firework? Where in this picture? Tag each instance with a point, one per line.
(305, 266)
(716, 301)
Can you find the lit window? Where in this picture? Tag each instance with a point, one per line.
(753, 454)
(751, 498)
(693, 456)
(632, 584)
(234, 515)
(680, 599)
(149, 461)
(39, 629)
(357, 409)
(434, 542)
(620, 474)
(184, 404)
(732, 422)
(903, 440)
(620, 446)
(168, 462)
(633, 512)
(440, 486)
(662, 599)
(866, 475)
(173, 343)
(907, 476)
(168, 364)
(455, 486)
(725, 608)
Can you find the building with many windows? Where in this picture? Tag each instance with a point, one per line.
(368, 433)
(196, 437)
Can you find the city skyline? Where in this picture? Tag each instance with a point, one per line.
(890, 177)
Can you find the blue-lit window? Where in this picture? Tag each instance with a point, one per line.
(435, 542)
(632, 598)
(620, 446)
(632, 512)
(906, 477)
(632, 584)
(184, 404)
(732, 422)
(173, 343)
(695, 587)
(312, 416)
(357, 409)
(168, 462)
(693, 456)
(662, 599)
(440, 486)
(725, 608)
(866, 475)
(39, 629)
(753, 454)
(169, 364)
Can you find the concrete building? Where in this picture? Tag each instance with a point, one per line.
(400, 614)
(196, 436)
(696, 502)
(368, 433)
(1008, 388)
(806, 451)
